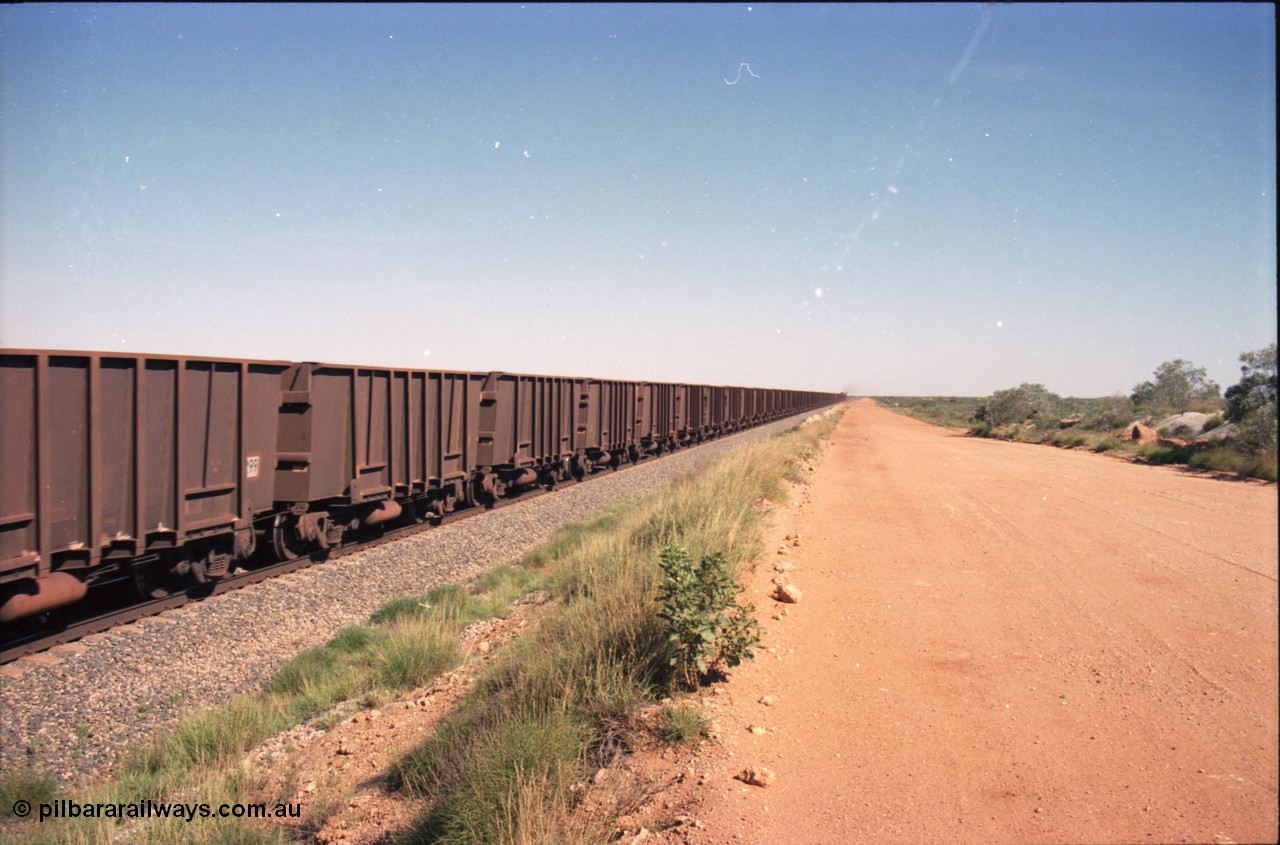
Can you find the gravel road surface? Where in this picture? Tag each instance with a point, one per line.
(1007, 643)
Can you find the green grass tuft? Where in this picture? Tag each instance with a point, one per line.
(397, 608)
(27, 785)
(417, 651)
(682, 725)
(353, 639)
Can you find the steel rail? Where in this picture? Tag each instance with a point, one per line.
(78, 629)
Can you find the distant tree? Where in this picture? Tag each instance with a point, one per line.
(1251, 404)
(1178, 385)
(1018, 404)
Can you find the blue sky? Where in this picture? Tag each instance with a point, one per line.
(888, 199)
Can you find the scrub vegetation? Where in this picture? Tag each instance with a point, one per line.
(1238, 437)
(507, 766)
(407, 644)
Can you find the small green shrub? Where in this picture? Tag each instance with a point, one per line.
(682, 725)
(707, 629)
(1154, 453)
(1215, 421)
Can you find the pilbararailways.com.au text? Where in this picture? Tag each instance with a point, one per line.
(67, 808)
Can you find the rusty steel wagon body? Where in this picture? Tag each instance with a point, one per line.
(159, 462)
(171, 471)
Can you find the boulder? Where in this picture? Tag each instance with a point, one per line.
(757, 776)
(1140, 433)
(788, 593)
(1215, 435)
(1183, 425)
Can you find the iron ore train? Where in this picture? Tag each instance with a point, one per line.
(172, 471)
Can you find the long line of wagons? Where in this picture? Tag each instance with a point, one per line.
(171, 470)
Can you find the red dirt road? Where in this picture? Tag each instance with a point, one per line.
(1008, 643)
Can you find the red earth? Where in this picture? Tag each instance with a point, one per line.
(1000, 643)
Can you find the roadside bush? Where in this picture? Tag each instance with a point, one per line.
(707, 628)
(1016, 405)
(1108, 413)
(1154, 453)
(1215, 421)
(1227, 459)
(1251, 404)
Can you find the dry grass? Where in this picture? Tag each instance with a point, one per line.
(502, 769)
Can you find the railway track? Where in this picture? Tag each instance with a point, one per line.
(138, 679)
(174, 473)
(39, 639)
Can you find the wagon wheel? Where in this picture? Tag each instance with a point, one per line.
(477, 496)
(153, 581)
(284, 540)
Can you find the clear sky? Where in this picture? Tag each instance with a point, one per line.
(887, 199)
